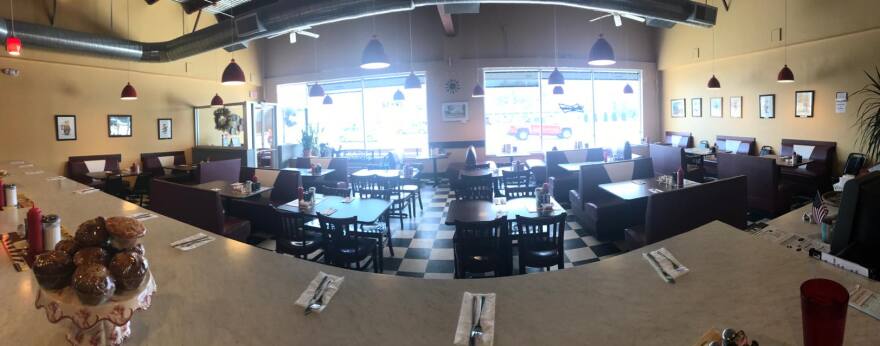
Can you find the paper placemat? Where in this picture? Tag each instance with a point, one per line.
(308, 296)
(86, 191)
(143, 216)
(465, 319)
(192, 242)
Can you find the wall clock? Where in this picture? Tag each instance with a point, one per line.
(453, 86)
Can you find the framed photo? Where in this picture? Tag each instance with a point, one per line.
(455, 111)
(841, 96)
(119, 125)
(678, 108)
(803, 103)
(715, 104)
(767, 106)
(697, 107)
(65, 127)
(736, 107)
(164, 128)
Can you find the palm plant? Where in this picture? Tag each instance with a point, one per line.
(868, 120)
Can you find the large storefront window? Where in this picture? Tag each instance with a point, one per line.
(363, 116)
(523, 114)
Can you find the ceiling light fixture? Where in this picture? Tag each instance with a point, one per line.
(412, 81)
(316, 90)
(374, 57)
(13, 44)
(627, 89)
(557, 90)
(713, 82)
(217, 101)
(398, 96)
(556, 77)
(785, 74)
(233, 74)
(478, 91)
(128, 91)
(328, 100)
(601, 54)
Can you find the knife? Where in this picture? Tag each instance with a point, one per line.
(666, 275)
(471, 337)
(316, 294)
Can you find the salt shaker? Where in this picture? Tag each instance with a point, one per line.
(51, 231)
(11, 195)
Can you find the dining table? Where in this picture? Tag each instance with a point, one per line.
(225, 189)
(783, 161)
(309, 173)
(103, 175)
(576, 166)
(630, 190)
(433, 157)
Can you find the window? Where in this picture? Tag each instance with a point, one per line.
(523, 115)
(363, 116)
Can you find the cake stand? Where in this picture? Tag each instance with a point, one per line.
(105, 324)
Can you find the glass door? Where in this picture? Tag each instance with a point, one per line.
(264, 135)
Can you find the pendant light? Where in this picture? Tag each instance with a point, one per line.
(557, 90)
(601, 54)
(713, 82)
(478, 91)
(13, 44)
(233, 74)
(217, 101)
(398, 96)
(373, 57)
(556, 77)
(627, 89)
(785, 74)
(328, 100)
(316, 90)
(412, 81)
(128, 91)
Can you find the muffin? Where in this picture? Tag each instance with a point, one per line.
(139, 249)
(53, 269)
(67, 246)
(124, 231)
(92, 233)
(90, 255)
(128, 270)
(93, 284)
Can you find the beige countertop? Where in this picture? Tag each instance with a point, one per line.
(228, 292)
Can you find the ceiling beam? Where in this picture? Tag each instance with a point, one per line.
(446, 20)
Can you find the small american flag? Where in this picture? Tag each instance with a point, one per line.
(819, 209)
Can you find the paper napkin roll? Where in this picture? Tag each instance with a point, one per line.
(333, 284)
(465, 319)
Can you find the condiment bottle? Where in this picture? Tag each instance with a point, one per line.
(2, 195)
(51, 231)
(680, 177)
(34, 232)
(11, 195)
(300, 193)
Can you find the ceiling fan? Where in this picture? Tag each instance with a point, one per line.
(618, 18)
(293, 32)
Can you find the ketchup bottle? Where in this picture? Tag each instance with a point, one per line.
(34, 232)
(2, 195)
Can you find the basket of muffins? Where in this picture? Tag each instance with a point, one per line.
(103, 259)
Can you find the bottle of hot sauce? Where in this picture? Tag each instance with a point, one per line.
(34, 232)
(2, 195)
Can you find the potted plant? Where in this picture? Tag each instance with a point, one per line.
(868, 120)
(309, 140)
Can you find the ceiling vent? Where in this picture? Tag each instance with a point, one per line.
(248, 25)
(703, 15)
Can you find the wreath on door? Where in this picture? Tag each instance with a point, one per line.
(226, 121)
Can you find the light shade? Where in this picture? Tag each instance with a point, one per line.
(128, 93)
(601, 53)
(13, 45)
(328, 100)
(217, 100)
(412, 81)
(374, 57)
(316, 91)
(558, 90)
(627, 89)
(556, 78)
(398, 96)
(713, 83)
(785, 75)
(478, 91)
(233, 74)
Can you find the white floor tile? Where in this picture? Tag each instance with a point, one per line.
(581, 254)
(445, 234)
(413, 265)
(442, 254)
(438, 276)
(421, 244)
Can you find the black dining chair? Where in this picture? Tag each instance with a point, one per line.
(295, 239)
(334, 191)
(344, 245)
(517, 184)
(704, 144)
(115, 186)
(379, 188)
(540, 241)
(141, 188)
(477, 247)
(854, 163)
(470, 187)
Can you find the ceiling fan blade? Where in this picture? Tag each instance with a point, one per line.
(632, 17)
(617, 21)
(600, 17)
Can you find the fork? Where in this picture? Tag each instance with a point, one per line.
(674, 265)
(477, 331)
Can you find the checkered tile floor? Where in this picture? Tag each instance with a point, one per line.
(423, 248)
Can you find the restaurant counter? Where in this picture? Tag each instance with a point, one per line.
(228, 292)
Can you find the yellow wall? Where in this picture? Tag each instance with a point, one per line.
(509, 36)
(830, 44)
(53, 83)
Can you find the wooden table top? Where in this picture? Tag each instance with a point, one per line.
(782, 161)
(225, 189)
(307, 172)
(472, 211)
(640, 188)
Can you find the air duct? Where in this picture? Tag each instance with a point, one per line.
(282, 16)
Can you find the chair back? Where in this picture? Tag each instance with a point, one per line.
(541, 229)
(763, 176)
(303, 162)
(197, 207)
(854, 163)
(517, 184)
(154, 162)
(286, 186)
(479, 240)
(115, 186)
(266, 177)
(556, 157)
(293, 237)
(226, 170)
(668, 159)
(334, 191)
(736, 145)
(339, 233)
(78, 166)
(142, 183)
(678, 211)
(679, 139)
(593, 175)
(373, 187)
(824, 154)
(474, 187)
(766, 150)
(339, 166)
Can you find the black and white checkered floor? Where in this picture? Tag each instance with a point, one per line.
(423, 248)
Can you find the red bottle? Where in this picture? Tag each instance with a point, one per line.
(680, 176)
(34, 232)
(2, 195)
(299, 193)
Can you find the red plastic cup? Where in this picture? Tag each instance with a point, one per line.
(823, 308)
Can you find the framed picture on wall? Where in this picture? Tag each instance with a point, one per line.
(119, 125)
(164, 128)
(715, 105)
(455, 111)
(736, 107)
(803, 103)
(767, 106)
(696, 107)
(65, 127)
(677, 108)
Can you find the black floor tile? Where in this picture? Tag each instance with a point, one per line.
(398, 242)
(440, 266)
(410, 274)
(606, 249)
(391, 264)
(572, 244)
(418, 253)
